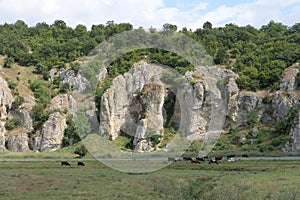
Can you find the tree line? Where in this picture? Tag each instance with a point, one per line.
(258, 55)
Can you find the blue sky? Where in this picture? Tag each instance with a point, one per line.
(146, 13)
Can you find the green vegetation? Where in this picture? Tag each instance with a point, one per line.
(181, 180)
(81, 151)
(12, 123)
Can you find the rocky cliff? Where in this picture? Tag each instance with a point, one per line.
(51, 134)
(270, 107)
(137, 105)
(6, 100)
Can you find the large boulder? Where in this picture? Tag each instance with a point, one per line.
(18, 142)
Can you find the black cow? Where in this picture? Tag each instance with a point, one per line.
(213, 161)
(80, 163)
(187, 158)
(172, 159)
(65, 163)
(230, 156)
(200, 159)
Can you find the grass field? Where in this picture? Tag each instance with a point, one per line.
(181, 180)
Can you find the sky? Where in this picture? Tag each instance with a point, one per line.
(152, 13)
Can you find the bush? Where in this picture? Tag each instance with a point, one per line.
(81, 151)
(252, 117)
(155, 139)
(18, 101)
(12, 123)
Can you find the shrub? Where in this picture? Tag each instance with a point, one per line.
(12, 123)
(18, 101)
(81, 151)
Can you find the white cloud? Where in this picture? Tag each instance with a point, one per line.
(148, 13)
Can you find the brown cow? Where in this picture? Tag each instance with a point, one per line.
(194, 160)
(218, 157)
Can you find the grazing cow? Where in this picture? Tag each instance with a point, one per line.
(65, 163)
(245, 155)
(194, 160)
(200, 159)
(80, 163)
(205, 157)
(230, 156)
(218, 157)
(231, 159)
(187, 158)
(172, 159)
(213, 161)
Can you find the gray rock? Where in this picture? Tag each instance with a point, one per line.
(6, 100)
(18, 142)
(288, 81)
(63, 102)
(293, 145)
(52, 133)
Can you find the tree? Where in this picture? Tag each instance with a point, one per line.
(81, 151)
(207, 25)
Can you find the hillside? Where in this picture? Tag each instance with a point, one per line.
(256, 69)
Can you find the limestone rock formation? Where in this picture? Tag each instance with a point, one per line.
(288, 81)
(75, 80)
(51, 134)
(18, 142)
(64, 102)
(24, 113)
(115, 103)
(6, 100)
(293, 144)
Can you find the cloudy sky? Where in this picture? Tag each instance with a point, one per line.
(146, 13)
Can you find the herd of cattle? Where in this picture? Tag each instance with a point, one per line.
(65, 163)
(215, 160)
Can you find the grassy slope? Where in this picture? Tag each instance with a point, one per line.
(181, 180)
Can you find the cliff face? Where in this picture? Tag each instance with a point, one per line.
(51, 136)
(6, 100)
(52, 133)
(117, 116)
(137, 103)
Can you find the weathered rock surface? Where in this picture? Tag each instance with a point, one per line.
(51, 135)
(6, 100)
(18, 142)
(117, 100)
(24, 113)
(64, 102)
(293, 145)
(75, 80)
(288, 81)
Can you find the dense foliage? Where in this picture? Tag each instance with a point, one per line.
(259, 56)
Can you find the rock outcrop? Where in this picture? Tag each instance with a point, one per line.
(18, 142)
(65, 103)
(75, 81)
(6, 100)
(117, 100)
(51, 135)
(289, 80)
(293, 144)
